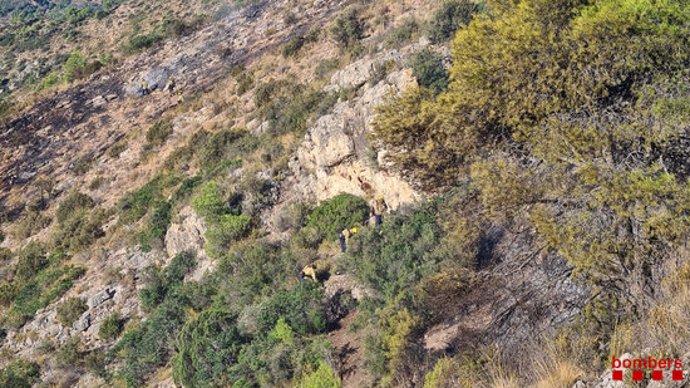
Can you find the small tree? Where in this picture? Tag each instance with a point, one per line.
(428, 69)
(348, 28)
(111, 327)
(74, 67)
(452, 15)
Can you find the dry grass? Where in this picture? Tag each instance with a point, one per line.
(563, 373)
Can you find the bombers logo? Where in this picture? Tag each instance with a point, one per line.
(639, 366)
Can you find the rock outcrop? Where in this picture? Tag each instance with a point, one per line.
(334, 156)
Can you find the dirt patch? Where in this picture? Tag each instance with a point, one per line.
(349, 351)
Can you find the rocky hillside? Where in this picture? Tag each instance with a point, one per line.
(160, 237)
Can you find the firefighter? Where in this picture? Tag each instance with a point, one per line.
(308, 272)
(145, 90)
(377, 208)
(345, 236)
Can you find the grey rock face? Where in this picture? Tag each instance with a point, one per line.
(101, 297)
(83, 323)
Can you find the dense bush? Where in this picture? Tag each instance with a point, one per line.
(148, 347)
(5, 254)
(452, 15)
(402, 34)
(31, 260)
(111, 326)
(428, 69)
(258, 270)
(160, 282)
(135, 205)
(209, 203)
(72, 204)
(397, 255)
(348, 28)
(80, 230)
(77, 67)
(140, 42)
(19, 374)
(206, 346)
(292, 110)
(301, 308)
(323, 377)
(224, 146)
(228, 229)
(333, 215)
(156, 227)
(40, 290)
(558, 140)
(70, 355)
(70, 310)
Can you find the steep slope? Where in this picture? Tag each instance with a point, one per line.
(163, 238)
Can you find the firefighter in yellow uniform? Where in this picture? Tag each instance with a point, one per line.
(145, 87)
(344, 237)
(378, 207)
(309, 272)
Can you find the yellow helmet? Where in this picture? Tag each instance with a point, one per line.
(379, 197)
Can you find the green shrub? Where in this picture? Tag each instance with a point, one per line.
(32, 223)
(19, 374)
(160, 283)
(300, 308)
(76, 67)
(69, 354)
(395, 256)
(8, 292)
(257, 271)
(31, 260)
(174, 27)
(348, 28)
(117, 149)
(452, 15)
(323, 377)
(42, 289)
(70, 310)
(326, 67)
(206, 346)
(5, 254)
(209, 202)
(291, 112)
(244, 79)
(402, 34)
(180, 265)
(111, 326)
(224, 146)
(148, 347)
(158, 133)
(295, 44)
(226, 231)
(428, 69)
(50, 80)
(333, 215)
(186, 188)
(80, 230)
(72, 204)
(264, 93)
(140, 42)
(135, 205)
(156, 227)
